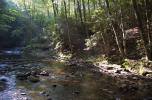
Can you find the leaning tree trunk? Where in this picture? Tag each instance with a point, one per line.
(114, 30)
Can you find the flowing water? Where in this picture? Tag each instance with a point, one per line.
(63, 83)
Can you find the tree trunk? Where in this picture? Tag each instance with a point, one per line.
(123, 34)
(89, 11)
(140, 24)
(65, 9)
(114, 30)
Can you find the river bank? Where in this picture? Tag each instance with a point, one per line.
(74, 79)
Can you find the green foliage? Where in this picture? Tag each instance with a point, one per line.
(93, 40)
(76, 25)
(136, 66)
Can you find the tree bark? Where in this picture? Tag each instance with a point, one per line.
(140, 24)
(114, 30)
(65, 9)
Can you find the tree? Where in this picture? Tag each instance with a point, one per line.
(147, 48)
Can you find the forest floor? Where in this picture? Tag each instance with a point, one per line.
(134, 69)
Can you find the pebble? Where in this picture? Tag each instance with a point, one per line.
(23, 93)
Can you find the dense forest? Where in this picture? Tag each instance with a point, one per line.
(108, 27)
(110, 37)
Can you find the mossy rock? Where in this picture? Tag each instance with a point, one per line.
(33, 79)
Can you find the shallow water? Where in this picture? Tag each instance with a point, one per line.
(65, 83)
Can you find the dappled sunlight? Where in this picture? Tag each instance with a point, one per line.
(75, 50)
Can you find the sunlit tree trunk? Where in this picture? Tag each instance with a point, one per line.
(123, 33)
(148, 15)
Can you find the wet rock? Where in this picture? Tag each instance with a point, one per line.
(76, 92)
(45, 93)
(35, 72)
(42, 92)
(33, 79)
(54, 85)
(44, 73)
(22, 75)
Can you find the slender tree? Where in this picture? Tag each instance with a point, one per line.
(114, 30)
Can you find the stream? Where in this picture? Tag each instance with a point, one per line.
(52, 80)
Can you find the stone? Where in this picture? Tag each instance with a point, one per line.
(77, 92)
(33, 79)
(23, 93)
(44, 73)
(54, 85)
(42, 93)
(22, 75)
